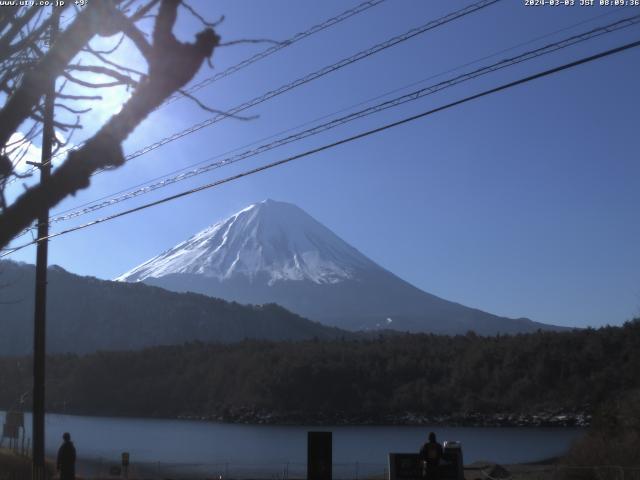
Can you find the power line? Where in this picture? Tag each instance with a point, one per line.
(318, 74)
(255, 58)
(401, 100)
(361, 103)
(274, 48)
(308, 78)
(307, 153)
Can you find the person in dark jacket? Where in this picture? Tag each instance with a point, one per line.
(67, 459)
(430, 455)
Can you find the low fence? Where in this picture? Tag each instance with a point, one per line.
(103, 468)
(554, 472)
(110, 469)
(341, 471)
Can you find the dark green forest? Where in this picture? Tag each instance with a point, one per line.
(352, 380)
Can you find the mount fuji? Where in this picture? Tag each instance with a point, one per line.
(274, 252)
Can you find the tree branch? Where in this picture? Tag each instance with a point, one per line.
(16, 27)
(193, 12)
(213, 110)
(106, 52)
(171, 65)
(84, 83)
(34, 83)
(30, 38)
(120, 77)
(65, 96)
(135, 35)
(7, 14)
(100, 56)
(60, 125)
(143, 10)
(73, 110)
(248, 40)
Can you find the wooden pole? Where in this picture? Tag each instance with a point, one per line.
(40, 314)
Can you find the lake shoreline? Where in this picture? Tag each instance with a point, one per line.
(245, 416)
(542, 419)
(91, 467)
(242, 448)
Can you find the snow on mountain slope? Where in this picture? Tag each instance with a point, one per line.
(273, 252)
(273, 238)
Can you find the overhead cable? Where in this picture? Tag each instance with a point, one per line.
(248, 61)
(345, 109)
(279, 46)
(343, 141)
(307, 78)
(400, 100)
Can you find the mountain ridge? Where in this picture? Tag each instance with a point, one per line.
(86, 314)
(275, 252)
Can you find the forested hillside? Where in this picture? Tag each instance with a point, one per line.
(352, 381)
(85, 314)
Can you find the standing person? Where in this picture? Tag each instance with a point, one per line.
(430, 455)
(67, 459)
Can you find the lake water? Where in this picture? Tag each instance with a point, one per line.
(270, 450)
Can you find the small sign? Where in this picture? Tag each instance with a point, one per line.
(125, 459)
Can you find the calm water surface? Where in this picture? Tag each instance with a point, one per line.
(195, 442)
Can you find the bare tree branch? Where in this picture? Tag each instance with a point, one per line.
(60, 125)
(106, 52)
(13, 32)
(73, 110)
(28, 39)
(60, 144)
(120, 77)
(135, 35)
(127, 5)
(87, 84)
(34, 83)
(198, 102)
(100, 56)
(193, 12)
(65, 96)
(171, 65)
(248, 40)
(7, 14)
(143, 10)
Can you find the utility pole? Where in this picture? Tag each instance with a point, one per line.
(39, 324)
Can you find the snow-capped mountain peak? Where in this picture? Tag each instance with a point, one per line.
(273, 252)
(271, 238)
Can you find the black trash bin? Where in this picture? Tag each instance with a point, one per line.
(452, 466)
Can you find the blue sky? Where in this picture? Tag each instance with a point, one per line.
(523, 203)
